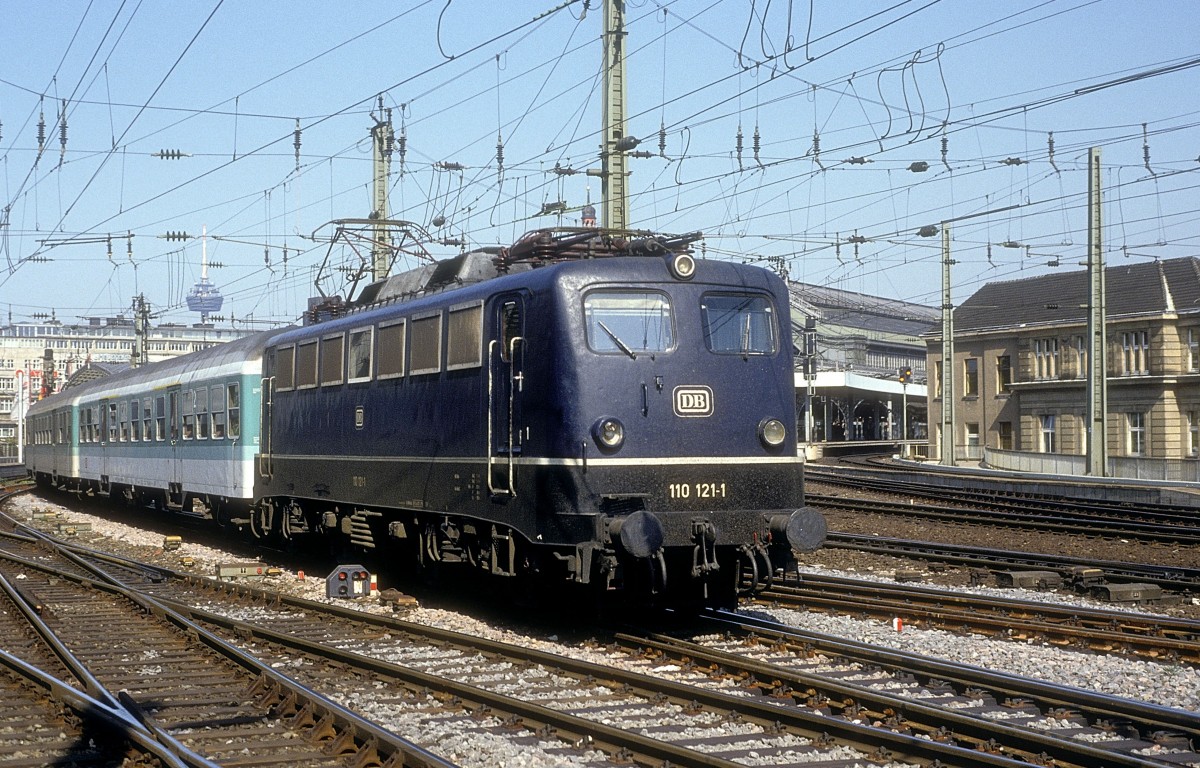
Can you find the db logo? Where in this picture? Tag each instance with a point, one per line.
(693, 401)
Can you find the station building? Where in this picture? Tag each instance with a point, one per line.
(1020, 367)
(861, 345)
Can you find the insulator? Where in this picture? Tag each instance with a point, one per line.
(62, 133)
(945, 150)
(1050, 146)
(757, 144)
(662, 140)
(403, 148)
(41, 132)
(296, 142)
(817, 148)
(499, 154)
(919, 166)
(1146, 150)
(739, 147)
(389, 140)
(266, 255)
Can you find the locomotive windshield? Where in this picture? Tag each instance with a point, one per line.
(738, 323)
(628, 322)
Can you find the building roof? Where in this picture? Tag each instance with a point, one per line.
(1131, 289)
(860, 311)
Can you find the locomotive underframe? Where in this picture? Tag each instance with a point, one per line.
(567, 521)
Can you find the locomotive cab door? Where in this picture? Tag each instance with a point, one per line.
(506, 380)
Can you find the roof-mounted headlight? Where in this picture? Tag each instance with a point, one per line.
(682, 266)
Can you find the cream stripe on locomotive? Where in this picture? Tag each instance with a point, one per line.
(550, 462)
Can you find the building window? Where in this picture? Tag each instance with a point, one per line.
(1193, 343)
(1004, 435)
(971, 377)
(972, 431)
(1045, 354)
(1135, 358)
(1003, 374)
(1193, 435)
(1135, 434)
(1049, 442)
(1081, 357)
(937, 379)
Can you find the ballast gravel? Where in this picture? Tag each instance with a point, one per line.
(1162, 683)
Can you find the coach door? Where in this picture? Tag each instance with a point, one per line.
(506, 353)
(174, 425)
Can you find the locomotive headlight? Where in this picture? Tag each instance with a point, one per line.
(682, 266)
(772, 432)
(609, 433)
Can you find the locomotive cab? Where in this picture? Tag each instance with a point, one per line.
(661, 409)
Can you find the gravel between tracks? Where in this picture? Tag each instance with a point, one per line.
(1166, 684)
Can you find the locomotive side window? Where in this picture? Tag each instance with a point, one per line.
(332, 359)
(285, 358)
(740, 324)
(392, 338)
(234, 402)
(510, 328)
(425, 355)
(464, 337)
(358, 367)
(628, 322)
(306, 365)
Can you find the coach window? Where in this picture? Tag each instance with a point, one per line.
(234, 406)
(285, 358)
(358, 366)
(332, 359)
(215, 396)
(392, 339)
(189, 417)
(160, 418)
(628, 322)
(135, 423)
(202, 423)
(464, 337)
(740, 324)
(112, 422)
(425, 354)
(123, 418)
(147, 419)
(306, 365)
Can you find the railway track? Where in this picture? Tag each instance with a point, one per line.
(207, 702)
(1151, 637)
(1175, 532)
(843, 707)
(1180, 579)
(880, 477)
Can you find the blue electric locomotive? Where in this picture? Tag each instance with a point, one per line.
(578, 408)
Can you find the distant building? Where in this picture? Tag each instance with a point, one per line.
(100, 342)
(862, 343)
(1020, 364)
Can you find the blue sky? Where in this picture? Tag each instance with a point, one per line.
(887, 83)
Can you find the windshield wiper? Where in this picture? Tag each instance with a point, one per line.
(617, 340)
